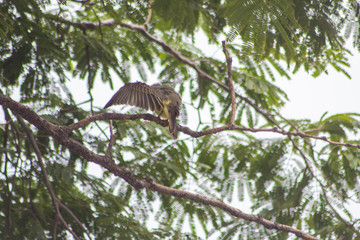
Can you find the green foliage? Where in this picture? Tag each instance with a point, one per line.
(184, 16)
(302, 182)
(304, 33)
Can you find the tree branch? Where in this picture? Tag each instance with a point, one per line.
(112, 140)
(108, 163)
(148, 17)
(197, 134)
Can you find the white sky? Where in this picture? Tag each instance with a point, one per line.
(311, 97)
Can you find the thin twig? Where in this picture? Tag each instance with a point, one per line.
(231, 84)
(340, 217)
(323, 188)
(148, 17)
(55, 227)
(99, 21)
(306, 159)
(8, 189)
(74, 217)
(53, 197)
(87, 56)
(112, 140)
(88, 64)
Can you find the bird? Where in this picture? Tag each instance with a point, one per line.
(160, 98)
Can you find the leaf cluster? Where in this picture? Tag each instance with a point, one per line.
(303, 33)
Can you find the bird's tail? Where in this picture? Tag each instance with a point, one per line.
(172, 125)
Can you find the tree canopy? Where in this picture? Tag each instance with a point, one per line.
(66, 173)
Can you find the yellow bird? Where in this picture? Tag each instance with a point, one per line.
(162, 99)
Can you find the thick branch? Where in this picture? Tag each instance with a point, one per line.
(108, 163)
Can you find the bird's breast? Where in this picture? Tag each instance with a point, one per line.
(164, 113)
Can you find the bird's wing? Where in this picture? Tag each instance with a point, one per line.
(137, 94)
